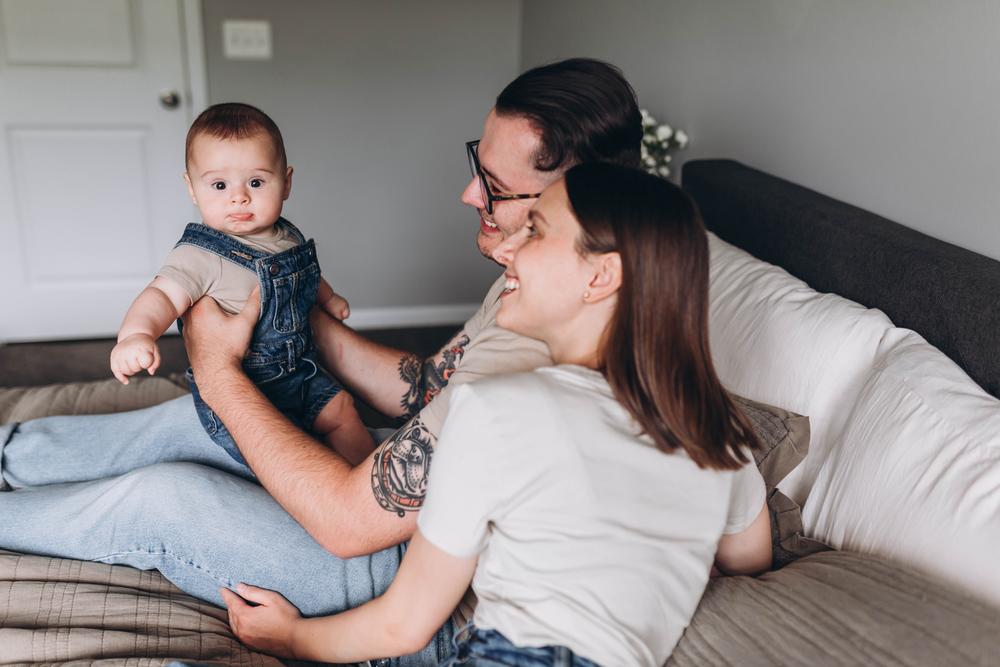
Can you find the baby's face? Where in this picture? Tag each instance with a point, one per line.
(238, 185)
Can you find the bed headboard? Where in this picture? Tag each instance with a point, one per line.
(949, 295)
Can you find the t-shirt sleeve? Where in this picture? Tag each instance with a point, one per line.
(195, 270)
(746, 499)
(460, 498)
(484, 350)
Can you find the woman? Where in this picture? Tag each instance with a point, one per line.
(589, 524)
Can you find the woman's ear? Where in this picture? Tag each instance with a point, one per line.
(606, 279)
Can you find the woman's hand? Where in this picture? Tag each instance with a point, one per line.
(267, 627)
(217, 342)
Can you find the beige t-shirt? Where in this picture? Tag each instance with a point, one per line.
(587, 535)
(482, 349)
(202, 273)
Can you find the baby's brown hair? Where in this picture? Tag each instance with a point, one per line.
(234, 120)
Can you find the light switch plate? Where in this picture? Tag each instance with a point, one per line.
(246, 40)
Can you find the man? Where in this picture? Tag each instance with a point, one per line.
(195, 516)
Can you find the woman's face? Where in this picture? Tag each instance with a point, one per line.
(546, 275)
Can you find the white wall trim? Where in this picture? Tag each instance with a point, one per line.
(412, 316)
(194, 49)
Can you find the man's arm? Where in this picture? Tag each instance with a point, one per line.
(394, 382)
(348, 511)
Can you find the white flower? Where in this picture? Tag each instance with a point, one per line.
(664, 132)
(649, 161)
(647, 119)
(664, 170)
(643, 151)
(682, 139)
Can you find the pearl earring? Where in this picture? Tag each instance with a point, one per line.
(586, 295)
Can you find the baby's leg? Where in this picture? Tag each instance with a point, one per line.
(339, 424)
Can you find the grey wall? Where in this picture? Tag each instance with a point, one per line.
(891, 105)
(375, 101)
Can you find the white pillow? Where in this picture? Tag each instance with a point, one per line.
(776, 340)
(916, 474)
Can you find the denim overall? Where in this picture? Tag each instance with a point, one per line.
(281, 360)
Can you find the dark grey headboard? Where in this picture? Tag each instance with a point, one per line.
(948, 295)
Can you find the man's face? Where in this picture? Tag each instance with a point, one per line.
(506, 156)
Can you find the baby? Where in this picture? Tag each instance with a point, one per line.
(238, 177)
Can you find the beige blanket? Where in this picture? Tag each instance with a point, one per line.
(55, 611)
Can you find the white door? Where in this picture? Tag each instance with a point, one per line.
(91, 194)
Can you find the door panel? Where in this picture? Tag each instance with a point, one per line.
(56, 32)
(91, 193)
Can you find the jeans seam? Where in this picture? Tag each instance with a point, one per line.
(170, 554)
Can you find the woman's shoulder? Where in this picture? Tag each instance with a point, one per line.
(564, 381)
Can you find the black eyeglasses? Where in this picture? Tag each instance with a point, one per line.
(472, 148)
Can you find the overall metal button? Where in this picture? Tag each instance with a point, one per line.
(274, 269)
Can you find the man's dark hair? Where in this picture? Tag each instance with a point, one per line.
(233, 120)
(584, 109)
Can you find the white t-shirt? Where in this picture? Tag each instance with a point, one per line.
(587, 535)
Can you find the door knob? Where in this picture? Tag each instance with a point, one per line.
(170, 99)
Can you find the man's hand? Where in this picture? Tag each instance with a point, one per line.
(217, 342)
(133, 354)
(267, 627)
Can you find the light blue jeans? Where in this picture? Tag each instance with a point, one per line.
(150, 489)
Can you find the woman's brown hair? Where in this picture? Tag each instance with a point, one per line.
(655, 350)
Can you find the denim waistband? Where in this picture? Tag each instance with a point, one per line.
(471, 642)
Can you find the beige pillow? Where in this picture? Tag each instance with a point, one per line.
(20, 404)
(839, 608)
(784, 439)
(69, 612)
(783, 435)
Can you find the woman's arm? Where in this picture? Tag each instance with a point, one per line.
(749, 551)
(429, 585)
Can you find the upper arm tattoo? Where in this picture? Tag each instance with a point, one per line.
(402, 463)
(428, 379)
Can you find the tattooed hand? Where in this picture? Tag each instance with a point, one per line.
(399, 476)
(428, 379)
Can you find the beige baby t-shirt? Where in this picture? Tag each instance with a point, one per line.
(202, 273)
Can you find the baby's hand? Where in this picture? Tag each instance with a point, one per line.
(337, 306)
(133, 354)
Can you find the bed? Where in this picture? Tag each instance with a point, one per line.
(879, 599)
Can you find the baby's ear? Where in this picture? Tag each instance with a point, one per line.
(187, 180)
(288, 183)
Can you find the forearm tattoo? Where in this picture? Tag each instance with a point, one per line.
(399, 476)
(426, 380)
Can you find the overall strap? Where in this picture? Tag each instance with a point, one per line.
(220, 244)
(292, 229)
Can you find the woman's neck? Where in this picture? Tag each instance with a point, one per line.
(579, 341)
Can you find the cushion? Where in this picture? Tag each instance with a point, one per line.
(784, 439)
(81, 398)
(783, 435)
(57, 611)
(838, 608)
(776, 340)
(916, 475)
